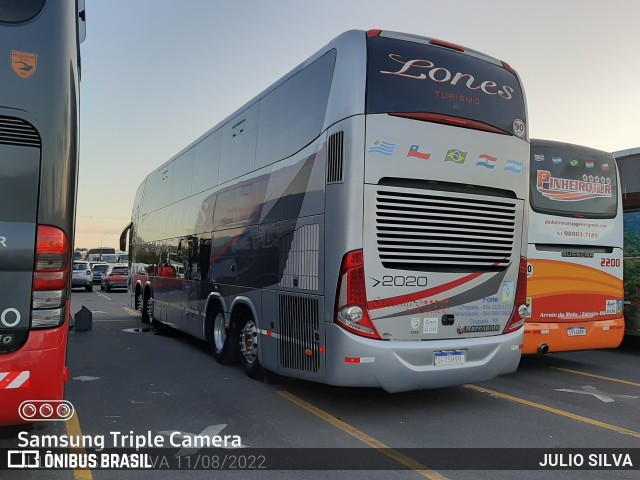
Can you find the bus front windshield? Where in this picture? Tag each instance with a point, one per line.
(573, 181)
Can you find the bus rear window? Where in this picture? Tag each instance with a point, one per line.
(410, 77)
(15, 11)
(573, 181)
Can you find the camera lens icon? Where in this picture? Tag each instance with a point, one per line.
(46, 410)
(27, 411)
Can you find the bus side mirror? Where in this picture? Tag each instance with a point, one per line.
(82, 21)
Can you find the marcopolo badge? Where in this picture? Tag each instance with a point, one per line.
(24, 64)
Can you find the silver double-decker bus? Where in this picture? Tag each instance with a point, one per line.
(361, 222)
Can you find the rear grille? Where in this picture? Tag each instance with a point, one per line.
(435, 231)
(299, 335)
(14, 131)
(335, 158)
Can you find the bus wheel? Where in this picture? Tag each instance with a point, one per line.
(147, 308)
(138, 301)
(223, 341)
(249, 349)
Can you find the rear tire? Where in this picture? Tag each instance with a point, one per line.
(249, 349)
(108, 288)
(224, 341)
(147, 308)
(138, 301)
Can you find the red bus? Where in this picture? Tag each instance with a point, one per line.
(39, 112)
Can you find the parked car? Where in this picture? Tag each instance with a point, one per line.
(82, 277)
(98, 269)
(116, 276)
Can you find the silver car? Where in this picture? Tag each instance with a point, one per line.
(98, 269)
(82, 276)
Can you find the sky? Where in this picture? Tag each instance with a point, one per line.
(157, 74)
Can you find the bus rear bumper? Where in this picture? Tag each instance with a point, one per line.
(397, 366)
(35, 372)
(596, 334)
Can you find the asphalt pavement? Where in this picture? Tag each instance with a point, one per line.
(127, 379)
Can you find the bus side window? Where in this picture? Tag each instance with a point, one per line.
(204, 258)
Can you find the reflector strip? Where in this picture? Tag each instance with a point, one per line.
(357, 360)
(269, 334)
(13, 380)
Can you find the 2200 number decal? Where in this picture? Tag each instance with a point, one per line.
(610, 262)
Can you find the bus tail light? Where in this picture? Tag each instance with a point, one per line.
(450, 120)
(351, 298)
(520, 310)
(452, 46)
(50, 277)
(509, 68)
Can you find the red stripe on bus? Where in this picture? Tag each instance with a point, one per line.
(6, 381)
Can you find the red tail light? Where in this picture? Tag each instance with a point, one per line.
(449, 120)
(452, 46)
(517, 318)
(351, 298)
(51, 270)
(509, 68)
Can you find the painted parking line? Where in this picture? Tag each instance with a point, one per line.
(555, 411)
(131, 312)
(609, 379)
(363, 437)
(73, 430)
(102, 295)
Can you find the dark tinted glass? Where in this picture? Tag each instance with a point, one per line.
(14, 11)
(630, 181)
(293, 114)
(413, 77)
(570, 181)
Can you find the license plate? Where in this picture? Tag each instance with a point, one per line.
(576, 331)
(449, 358)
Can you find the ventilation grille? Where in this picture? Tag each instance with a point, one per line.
(435, 231)
(14, 131)
(299, 336)
(335, 163)
(299, 258)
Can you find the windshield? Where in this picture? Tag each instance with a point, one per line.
(410, 77)
(15, 11)
(571, 181)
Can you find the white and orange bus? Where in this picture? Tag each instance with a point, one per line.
(574, 287)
